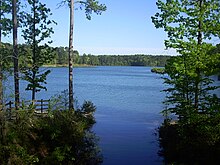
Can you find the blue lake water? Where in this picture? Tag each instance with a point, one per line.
(128, 101)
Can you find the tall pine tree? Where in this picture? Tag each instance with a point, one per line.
(90, 6)
(15, 52)
(37, 29)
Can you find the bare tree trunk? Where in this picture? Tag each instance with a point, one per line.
(0, 23)
(34, 52)
(198, 72)
(1, 74)
(15, 52)
(186, 82)
(1, 86)
(70, 55)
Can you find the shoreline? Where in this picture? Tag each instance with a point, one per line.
(65, 66)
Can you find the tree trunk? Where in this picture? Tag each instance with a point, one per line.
(198, 72)
(34, 53)
(0, 23)
(15, 52)
(70, 55)
(1, 74)
(34, 89)
(1, 86)
(186, 81)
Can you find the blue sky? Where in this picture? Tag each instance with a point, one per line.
(125, 28)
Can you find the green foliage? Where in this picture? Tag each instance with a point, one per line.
(6, 56)
(92, 6)
(194, 143)
(61, 58)
(36, 83)
(61, 137)
(36, 29)
(187, 24)
(60, 101)
(183, 76)
(61, 55)
(68, 141)
(190, 93)
(5, 28)
(158, 70)
(89, 6)
(123, 60)
(180, 20)
(5, 21)
(215, 62)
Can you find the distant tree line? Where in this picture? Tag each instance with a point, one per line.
(123, 60)
(59, 57)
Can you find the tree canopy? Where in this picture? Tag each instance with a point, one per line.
(191, 96)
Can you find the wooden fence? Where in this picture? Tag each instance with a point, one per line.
(38, 106)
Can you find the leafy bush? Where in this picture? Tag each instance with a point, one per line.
(197, 142)
(61, 137)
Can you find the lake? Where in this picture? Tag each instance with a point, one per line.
(128, 101)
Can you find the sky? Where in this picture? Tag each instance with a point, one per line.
(124, 28)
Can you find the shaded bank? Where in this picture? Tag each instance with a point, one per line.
(195, 143)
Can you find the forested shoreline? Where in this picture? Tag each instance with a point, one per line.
(123, 60)
(59, 57)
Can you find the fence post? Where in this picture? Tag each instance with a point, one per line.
(49, 106)
(41, 105)
(10, 108)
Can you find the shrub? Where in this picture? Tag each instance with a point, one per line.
(61, 137)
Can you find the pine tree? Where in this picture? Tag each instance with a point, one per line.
(15, 52)
(36, 29)
(90, 7)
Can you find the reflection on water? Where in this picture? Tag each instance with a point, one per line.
(128, 101)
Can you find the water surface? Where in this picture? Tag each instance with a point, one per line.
(128, 101)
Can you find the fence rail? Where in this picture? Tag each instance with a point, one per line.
(38, 106)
